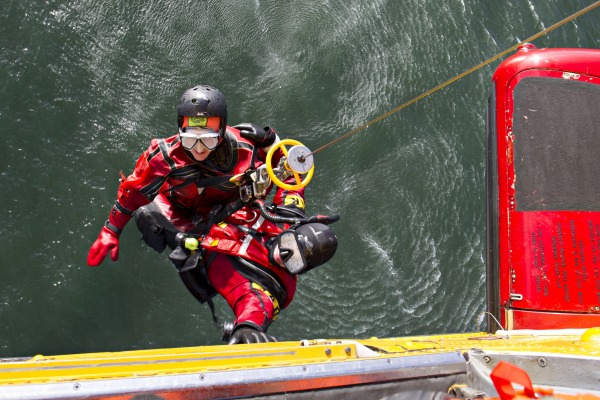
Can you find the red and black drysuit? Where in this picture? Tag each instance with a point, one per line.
(187, 193)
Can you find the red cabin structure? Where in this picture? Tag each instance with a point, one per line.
(543, 186)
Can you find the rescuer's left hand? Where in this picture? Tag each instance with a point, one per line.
(244, 334)
(263, 137)
(107, 242)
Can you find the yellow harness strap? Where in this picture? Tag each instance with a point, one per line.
(273, 299)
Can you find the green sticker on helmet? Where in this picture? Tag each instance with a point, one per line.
(197, 121)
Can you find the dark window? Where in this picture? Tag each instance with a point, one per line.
(556, 145)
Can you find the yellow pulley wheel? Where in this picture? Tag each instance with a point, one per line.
(299, 161)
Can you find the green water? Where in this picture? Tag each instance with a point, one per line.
(86, 84)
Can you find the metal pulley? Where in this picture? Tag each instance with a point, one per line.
(297, 162)
(300, 159)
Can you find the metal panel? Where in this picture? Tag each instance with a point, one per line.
(253, 382)
(564, 373)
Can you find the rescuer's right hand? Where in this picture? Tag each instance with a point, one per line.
(245, 333)
(264, 137)
(107, 241)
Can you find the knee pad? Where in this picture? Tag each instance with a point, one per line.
(152, 224)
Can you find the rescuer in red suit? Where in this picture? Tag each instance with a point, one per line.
(182, 184)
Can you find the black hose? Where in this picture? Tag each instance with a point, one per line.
(324, 219)
(276, 218)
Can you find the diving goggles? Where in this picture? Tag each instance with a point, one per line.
(192, 134)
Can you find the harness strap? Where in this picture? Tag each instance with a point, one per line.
(254, 154)
(276, 308)
(209, 301)
(211, 305)
(197, 282)
(228, 210)
(202, 183)
(213, 180)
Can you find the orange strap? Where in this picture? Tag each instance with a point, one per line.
(504, 375)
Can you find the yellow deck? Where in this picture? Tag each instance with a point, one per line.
(208, 359)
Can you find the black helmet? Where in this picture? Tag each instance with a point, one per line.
(319, 242)
(203, 100)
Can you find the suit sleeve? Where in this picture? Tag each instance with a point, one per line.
(138, 189)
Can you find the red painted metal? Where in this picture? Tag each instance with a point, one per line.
(548, 261)
(525, 319)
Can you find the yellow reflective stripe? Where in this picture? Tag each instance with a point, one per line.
(293, 200)
(197, 121)
(273, 299)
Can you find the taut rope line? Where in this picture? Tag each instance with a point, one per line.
(448, 82)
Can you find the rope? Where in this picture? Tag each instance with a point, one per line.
(467, 72)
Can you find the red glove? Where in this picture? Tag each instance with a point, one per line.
(107, 241)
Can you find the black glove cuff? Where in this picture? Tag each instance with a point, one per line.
(246, 324)
(229, 329)
(113, 228)
(269, 138)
